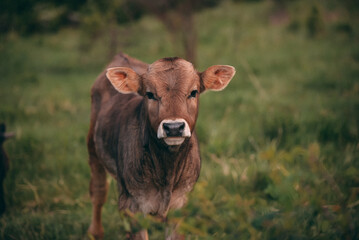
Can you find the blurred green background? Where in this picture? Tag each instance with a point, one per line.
(279, 145)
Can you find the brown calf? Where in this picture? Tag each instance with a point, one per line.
(142, 133)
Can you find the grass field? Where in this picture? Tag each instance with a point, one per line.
(279, 145)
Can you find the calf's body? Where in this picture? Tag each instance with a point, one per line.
(142, 133)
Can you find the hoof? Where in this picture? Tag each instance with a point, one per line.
(95, 233)
(141, 235)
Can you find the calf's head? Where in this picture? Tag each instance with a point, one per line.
(171, 88)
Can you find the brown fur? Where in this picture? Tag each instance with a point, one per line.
(152, 176)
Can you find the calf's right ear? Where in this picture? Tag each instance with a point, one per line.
(124, 79)
(216, 77)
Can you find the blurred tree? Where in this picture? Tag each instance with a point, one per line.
(14, 15)
(101, 18)
(352, 5)
(176, 15)
(279, 12)
(31, 16)
(178, 18)
(314, 23)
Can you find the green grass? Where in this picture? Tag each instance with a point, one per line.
(279, 145)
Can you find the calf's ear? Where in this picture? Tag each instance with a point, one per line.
(216, 77)
(124, 79)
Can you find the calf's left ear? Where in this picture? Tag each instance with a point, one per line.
(216, 77)
(124, 79)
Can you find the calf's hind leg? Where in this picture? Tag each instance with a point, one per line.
(98, 193)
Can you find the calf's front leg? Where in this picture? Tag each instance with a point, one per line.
(98, 193)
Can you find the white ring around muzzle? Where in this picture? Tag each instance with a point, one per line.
(173, 140)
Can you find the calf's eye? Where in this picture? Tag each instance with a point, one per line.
(150, 95)
(193, 94)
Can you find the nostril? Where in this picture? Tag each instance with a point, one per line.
(174, 129)
(166, 127)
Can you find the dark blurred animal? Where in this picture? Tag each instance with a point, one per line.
(4, 164)
(142, 133)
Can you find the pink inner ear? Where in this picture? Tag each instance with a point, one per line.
(217, 77)
(219, 71)
(121, 75)
(223, 73)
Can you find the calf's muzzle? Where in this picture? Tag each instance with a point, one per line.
(174, 131)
